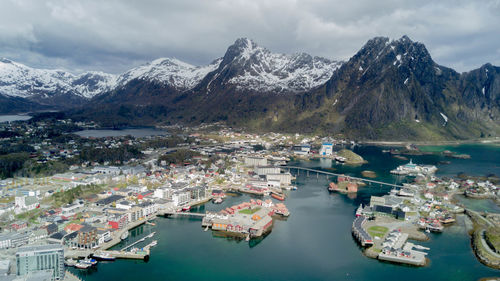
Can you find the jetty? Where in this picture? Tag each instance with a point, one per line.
(318, 172)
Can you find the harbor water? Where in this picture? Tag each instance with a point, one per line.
(314, 243)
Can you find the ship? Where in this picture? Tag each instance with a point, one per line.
(102, 256)
(412, 169)
(186, 208)
(278, 196)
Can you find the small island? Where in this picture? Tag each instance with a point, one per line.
(351, 157)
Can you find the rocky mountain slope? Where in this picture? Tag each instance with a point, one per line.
(390, 90)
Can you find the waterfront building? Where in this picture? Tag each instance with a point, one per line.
(32, 259)
(264, 170)
(255, 161)
(326, 149)
(283, 178)
(87, 236)
(118, 221)
(181, 197)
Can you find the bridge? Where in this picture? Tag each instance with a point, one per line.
(309, 170)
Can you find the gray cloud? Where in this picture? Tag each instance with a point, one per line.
(115, 35)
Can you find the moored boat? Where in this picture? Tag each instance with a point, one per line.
(278, 196)
(124, 235)
(186, 208)
(90, 262)
(82, 265)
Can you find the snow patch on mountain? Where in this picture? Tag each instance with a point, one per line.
(262, 70)
(173, 72)
(18, 80)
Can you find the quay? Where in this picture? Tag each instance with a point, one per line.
(309, 170)
(77, 254)
(360, 233)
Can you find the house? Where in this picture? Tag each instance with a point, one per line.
(118, 221)
(18, 225)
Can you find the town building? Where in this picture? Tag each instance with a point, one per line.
(31, 259)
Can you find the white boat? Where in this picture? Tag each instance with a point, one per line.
(124, 235)
(90, 262)
(82, 265)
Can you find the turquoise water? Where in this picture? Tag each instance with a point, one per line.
(314, 243)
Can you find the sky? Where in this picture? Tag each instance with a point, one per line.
(116, 35)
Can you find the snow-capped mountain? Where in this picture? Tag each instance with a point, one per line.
(173, 72)
(245, 66)
(18, 80)
(251, 67)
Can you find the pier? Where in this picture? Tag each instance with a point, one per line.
(77, 254)
(138, 241)
(309, 170)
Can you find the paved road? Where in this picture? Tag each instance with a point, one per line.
(487, 247)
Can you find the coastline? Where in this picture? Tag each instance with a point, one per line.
(432, 143)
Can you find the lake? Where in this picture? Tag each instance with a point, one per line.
(11, 118)
(314, 243)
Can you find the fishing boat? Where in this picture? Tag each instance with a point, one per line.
(278, 196)
(102, 256)
(124, 235)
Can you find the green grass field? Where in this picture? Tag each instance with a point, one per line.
(249, 211)
(377, 231)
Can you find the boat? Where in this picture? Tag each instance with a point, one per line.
(90, 262)
(293, 187)
(70, 262)
(124, 235)
(154, 243)
(102, 256)
(340, 159)
(448, 220)
(82, 265)
(217, 200)
(186, 208)
(278, 196)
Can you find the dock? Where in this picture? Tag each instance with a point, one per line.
(78, 254)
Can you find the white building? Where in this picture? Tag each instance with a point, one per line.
(326, 149)
(255, 161)
(181, 198)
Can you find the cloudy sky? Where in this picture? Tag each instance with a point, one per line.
(115, 35)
